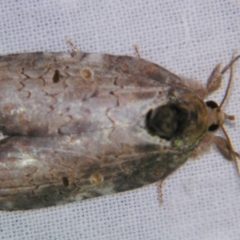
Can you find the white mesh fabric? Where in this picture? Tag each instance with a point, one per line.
(201, 199)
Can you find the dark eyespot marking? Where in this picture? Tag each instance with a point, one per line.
(213, 127)
(56, 76)
(167, 121)
(65, 181)
(211, 104)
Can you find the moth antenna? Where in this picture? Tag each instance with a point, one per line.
(230, 65)
(233, 154)
(230, 117)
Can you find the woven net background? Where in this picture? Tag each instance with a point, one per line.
(202, 198)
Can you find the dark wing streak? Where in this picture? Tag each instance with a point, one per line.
(32, 189)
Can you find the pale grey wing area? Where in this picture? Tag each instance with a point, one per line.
(47, 94)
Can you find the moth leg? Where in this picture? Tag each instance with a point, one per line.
(224, 148)
(71, 44)
(220, 142)
(159, 190)
(204, 144)
(136, 48)
(222, 145)
(215, 79)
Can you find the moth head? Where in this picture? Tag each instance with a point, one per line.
(216, 118)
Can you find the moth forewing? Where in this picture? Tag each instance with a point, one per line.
(82, 125)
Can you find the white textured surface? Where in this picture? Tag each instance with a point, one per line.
(201, 199)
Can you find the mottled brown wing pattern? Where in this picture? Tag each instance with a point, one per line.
(42, 172)
(82, 125)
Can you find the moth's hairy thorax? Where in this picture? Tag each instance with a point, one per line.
(197, 118)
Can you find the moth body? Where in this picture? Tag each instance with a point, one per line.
(82, 125)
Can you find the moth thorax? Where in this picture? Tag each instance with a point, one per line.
(183, 120)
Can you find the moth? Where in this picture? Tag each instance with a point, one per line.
(81, 125)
